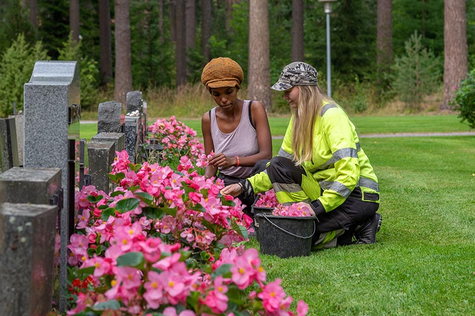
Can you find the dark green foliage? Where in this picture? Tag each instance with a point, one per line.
(353, 40)
(353, 36)
(152, 62)
(53, 19)
(464, 99)
(424, 16)
(16, 66)
(89, 28)
(416, 73)
(14, 21)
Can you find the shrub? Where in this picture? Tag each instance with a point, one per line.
(464, 99)
(16, 68)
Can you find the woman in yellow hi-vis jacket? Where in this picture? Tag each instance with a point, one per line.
(320, 163)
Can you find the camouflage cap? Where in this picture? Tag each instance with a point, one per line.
(296, 74)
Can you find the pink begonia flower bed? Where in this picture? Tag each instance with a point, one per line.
(166, 242)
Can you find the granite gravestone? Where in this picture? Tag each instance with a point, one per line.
(101, 156)
(117, 138)
(27, 236)
(132, 136)
(52, 114)
(108, 117)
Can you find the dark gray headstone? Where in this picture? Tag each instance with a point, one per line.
(101, 156)
(27, 236)
(30, 185)
(8, 144)
(132, 136)
(117, 138)
(108, 117)
(134, 101)
(52, 113)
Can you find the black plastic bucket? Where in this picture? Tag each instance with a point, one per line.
(285, 236)
(260, 210)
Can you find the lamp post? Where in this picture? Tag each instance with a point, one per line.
(327, 7)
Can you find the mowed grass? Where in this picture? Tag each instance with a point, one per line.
(423, 262)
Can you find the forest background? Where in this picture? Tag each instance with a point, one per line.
(387, 56)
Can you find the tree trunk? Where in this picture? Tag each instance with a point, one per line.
(74, 20)
(297, 30)
(206, 30)
(105, 44)
(161, 29)
(258, 87)
(123, 64)
(190, 24)
(180, 51)
(455, 48)
(173, 21)
(384, 38)
(34, 14)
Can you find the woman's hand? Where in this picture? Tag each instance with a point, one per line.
(232, 189)
(220, 161)
(305, 206)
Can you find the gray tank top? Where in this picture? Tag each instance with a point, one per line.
(240, 142)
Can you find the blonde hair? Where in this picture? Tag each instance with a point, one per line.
(308, 108)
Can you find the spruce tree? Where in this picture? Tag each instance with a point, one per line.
(417, 73)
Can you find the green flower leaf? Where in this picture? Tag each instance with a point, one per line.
(94, 199)
(198, 208)
(112, 304)
(144, 196)
(135, 167)
(126, 205)
(223, 270)
(116, 193)
(153, 212)
(131, 259)
(110, 211)
(117, 177)
(85, 272)
(193, 300)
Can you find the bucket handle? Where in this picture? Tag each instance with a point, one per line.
(287, 232)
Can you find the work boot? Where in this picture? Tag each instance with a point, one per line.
(366, 232)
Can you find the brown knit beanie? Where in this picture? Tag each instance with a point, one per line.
(222, 72)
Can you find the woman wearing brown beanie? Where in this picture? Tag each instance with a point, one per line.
(236, 131)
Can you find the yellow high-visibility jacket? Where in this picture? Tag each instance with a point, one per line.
(338, 162)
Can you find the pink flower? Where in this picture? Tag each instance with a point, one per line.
(151, 249)
(102, 265)
(272, 296)
(153, 290)
(242, 273)
(171, 311)
(83, 219)
(302, 308)
(216, 299)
